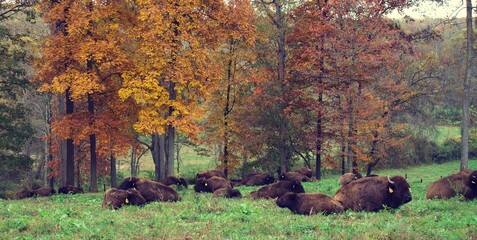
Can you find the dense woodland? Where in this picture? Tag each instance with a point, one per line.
(264, 85)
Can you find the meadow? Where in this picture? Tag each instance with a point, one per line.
(201, 216)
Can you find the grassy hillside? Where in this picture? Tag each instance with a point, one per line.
(200, 216)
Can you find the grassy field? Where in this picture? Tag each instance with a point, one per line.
(200, 216)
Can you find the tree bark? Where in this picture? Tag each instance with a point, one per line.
(70, 154)
(464, 161)
(113, 171)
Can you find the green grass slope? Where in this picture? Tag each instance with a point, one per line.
(200, 216)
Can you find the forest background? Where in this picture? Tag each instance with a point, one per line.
(93, 91)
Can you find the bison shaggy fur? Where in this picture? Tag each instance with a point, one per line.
(305, 171)
(69, 189)
(117, 198)
(309, 203)
(25, 193)
(278, 189)
(348, 177)
(227, 193)
(44, 192)
(211, 184)
(295, 176)
(463, 183)
(171, 180)
(260, 179)
(375, 193)
(210, 173)
(150, 190)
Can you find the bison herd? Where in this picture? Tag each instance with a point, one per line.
(357, 193)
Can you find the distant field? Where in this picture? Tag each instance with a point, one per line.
(200, 216)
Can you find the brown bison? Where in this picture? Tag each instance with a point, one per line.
(25, 193)
(171, 180)
(69, 189)
(211, 184)
(374, 193)
(44, 192)
(210, 173)
(305, 171)
(116, 198)
(150, 190)
(348, 177)
(295, 176)
(227, 193)
(247, 177)
(259, 179)
(463, 183)
(309, 203)
(277, 189)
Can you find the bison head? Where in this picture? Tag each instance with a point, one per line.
(287, 200)
(399, 191)
(200, 185)
(472, 180)
(128, 183)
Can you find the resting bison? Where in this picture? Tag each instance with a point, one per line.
(295, 176)
(309, 203)
(117, 198)
(210, 173)
(69, 189)
(305, 171)
(259, 179)
(227, 193)
(348, 177)
(171, 180)
(463, 183)
(44, 192)
(25, 193)
(150, 190)
(375, 193)
(277, 189)
(211, 184)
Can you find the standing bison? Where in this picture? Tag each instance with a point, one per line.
(277, 189)
(116, 198)
(348, 177)
(463, 183)
(374, 193)
(309, 203)
(150, 190)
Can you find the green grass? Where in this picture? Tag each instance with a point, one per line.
(200, 216)
(446, 132)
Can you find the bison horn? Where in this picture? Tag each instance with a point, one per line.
(389, 180)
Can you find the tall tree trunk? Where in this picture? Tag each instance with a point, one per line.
(93, 181)
(70, 149)
(464, 160)
(171, 132)
(133, 162)
(225, 157)
(280, 23)
(156, 156)
(162, 157)
(113, 171)
(319, 137)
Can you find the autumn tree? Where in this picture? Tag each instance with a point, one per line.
(172, 72)
(235, 57)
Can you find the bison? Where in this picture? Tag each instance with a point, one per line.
(44, 192)
(227, 193)
(375, 193)
(116, 198)
(70, 189)
(259, 179)
(25, 193)
(295, 176)
(211, 184)
(210, 173)
(277, 189)
(305, 171)
(171, 180)
(150, 190)
(348, 177)
(309, 203)
(463, 183)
